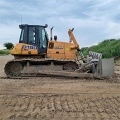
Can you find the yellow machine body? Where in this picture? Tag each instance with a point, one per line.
(60, 50)
(55, 49)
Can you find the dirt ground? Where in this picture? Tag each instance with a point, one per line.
(49, 98)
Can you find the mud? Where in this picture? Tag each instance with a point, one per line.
(47, 98)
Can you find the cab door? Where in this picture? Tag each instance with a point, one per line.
(42, 40)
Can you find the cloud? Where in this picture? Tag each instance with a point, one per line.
(9, 33)
(93, 20)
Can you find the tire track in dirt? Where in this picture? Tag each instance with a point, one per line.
(54, 107)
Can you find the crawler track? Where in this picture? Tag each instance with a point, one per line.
(34, 67)
(18, 67)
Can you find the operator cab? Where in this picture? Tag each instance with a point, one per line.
(34, 35)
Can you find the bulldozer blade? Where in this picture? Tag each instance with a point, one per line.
(105, 68)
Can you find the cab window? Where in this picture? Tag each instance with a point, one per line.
(31, 35)
(21, 36)
(42, 38)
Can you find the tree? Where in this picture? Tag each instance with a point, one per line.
(8, 45)
(109, 48)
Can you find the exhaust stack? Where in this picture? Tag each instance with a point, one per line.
(51, 33)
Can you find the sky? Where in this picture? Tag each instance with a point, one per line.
(93, 20)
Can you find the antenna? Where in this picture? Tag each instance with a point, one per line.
(21, 20)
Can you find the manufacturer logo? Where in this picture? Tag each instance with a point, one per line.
(31, 47)
(58, 47)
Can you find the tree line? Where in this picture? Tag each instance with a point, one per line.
(109, 48)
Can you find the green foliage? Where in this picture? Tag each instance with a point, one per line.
(108, 48)
(8, 45)
(4, 52)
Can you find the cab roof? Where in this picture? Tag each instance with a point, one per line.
(23, 25)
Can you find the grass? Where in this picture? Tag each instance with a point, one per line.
(4, 52)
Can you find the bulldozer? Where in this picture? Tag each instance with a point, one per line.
(36, 55)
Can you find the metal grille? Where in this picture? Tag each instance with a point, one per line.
(94, 55)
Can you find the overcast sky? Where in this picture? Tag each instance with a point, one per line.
(93, 20)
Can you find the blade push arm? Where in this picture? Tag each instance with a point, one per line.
(73, 39)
